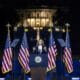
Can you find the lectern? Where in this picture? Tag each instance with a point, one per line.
(38, 64)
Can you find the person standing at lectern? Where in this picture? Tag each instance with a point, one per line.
(40, 47)
(39, 71)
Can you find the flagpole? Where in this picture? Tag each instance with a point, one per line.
(25, 30)
(8, 27)
(51, 72)
(51, 32)
(67, 26)
(23, 34)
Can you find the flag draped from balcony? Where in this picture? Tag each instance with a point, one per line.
(67, 57)
(7, 56)
(52, 52)
(24, 54)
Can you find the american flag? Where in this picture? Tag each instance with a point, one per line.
(52, 52)
(7, 56)
(24, 54)
(67, 57)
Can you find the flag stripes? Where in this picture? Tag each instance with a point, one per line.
(52, 52)
(68, 61)
(24, 55)
(67, 58)
(7, 57)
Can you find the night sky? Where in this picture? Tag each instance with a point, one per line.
(69, 12)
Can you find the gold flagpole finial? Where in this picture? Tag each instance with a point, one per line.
(8, 26)
(50, 29)
(25, 30)
(67, 26)
(15, 28)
